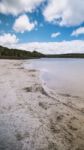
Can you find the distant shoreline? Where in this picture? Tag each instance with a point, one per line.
(6, 53)
(70, 55)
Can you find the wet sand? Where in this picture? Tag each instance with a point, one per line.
(33, 117)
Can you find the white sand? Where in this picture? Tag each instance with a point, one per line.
(33, 117)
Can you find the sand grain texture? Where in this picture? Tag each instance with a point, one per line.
(34, 118)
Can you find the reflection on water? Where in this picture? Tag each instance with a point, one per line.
(62, 75)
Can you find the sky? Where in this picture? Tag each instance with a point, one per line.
(48, 26)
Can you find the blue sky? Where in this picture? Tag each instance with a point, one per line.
(37, 23)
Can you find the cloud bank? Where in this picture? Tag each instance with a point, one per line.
(74, 46)
(64, 12)
(8, 39)
(61, 12)
(16, 7)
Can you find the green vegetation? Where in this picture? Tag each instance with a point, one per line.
(70, 55)
(6, 53)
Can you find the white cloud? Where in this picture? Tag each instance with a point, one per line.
(23, 24)
(53, 35)
(16, 7)
(78, 31)
(8, 39)
(74, 46)
(65, 12)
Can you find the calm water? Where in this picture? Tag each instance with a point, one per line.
(62, 75)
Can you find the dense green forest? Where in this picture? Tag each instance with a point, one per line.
(70, 55)
(7, 53)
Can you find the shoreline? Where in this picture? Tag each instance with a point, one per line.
(33, 117)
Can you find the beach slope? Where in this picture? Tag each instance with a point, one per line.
(32, 117)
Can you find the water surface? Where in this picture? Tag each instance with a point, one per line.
(62, 75)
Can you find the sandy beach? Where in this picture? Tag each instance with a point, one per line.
(33, 117)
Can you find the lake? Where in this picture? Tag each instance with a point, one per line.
(62, 75)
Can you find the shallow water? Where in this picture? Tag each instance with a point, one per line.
(63, 75)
